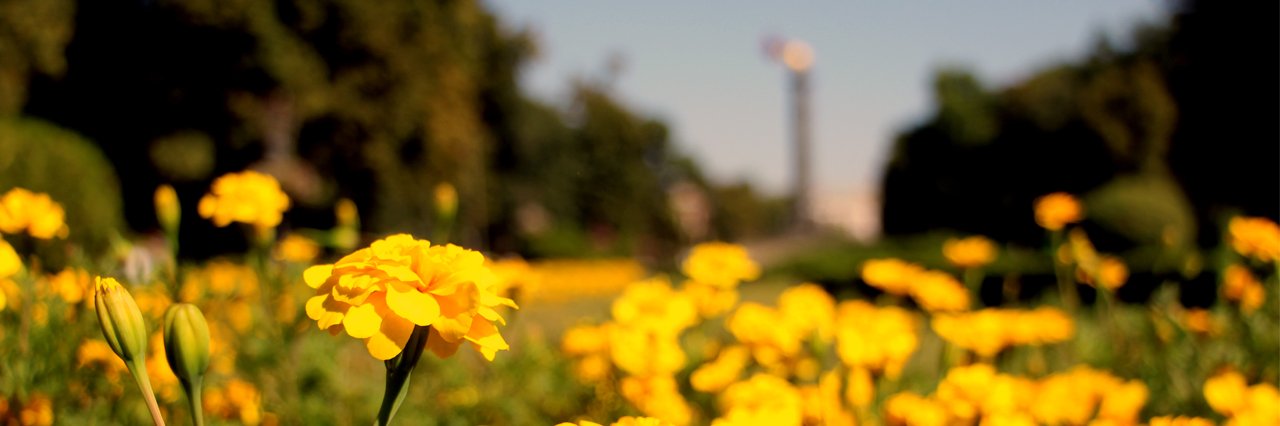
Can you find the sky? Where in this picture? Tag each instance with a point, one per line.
(700, 67)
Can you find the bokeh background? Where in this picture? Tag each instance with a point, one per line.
(621, 135)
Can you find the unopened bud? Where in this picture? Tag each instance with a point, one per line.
(121, 321)
(168, 211)
(186, 342)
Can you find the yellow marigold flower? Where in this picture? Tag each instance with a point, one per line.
(1179, 421)
(1226, 392)
(894, 276)
(938, 291)
(762, 329)
(724, 370)
(1255, 237)
(297, 248)
(37, 410)
(970, 252)
(878, 339)
(1239, 285)
(1056, 210)
(988, 331)
(809, 311)
(381, 292)
(657, 396)
(764, 399)
(964, 390)
(652, 305)
(1009, 419)
(246, 197)
(907, 408)
(720, 264)
(34, 213)
(1262, 408)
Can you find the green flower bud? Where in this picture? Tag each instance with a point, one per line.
(121, 320)
(186, 342)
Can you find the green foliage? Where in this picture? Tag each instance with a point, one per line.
(45, 158)
(1147, 210)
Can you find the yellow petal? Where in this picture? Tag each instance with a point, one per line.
(362, 321)
(439, 346)
(390, 338)
(317, 275)
(409, 303)
(315, 307)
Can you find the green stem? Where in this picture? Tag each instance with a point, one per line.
(139, 371)
(195, 400)
(1066, 286)
(398, 371)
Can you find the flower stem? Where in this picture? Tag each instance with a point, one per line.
(139, 371)
(398, 371)
(195, 401)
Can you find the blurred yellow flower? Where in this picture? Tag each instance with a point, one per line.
(642, 352)
(1255, 237)
(247, 197)
(34, 213)
(1056, 210)
(579, 423)
(98, 354)
(877, 339)
(640, 421)
(658, 397)
(381, 292)
(893, 276)
(714, 376)
(762, 400)
(1179, 421)
(988, 331)
(1112, 272)
(809, 311)
(446, 198)
(652, 305)
(297, 248)
(720, 264)
(1240, 286)
(1198, 320)
(763, 329)
(861, 388)
(37, 410)
(1226, 392)
(1122, 403)
(970, 252)
(907, 408)
(937, 291)
(585, 340)
(71, 285)
(710, 300)
(238, 400)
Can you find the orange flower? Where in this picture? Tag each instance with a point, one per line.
(1056, 210)
(380, 293)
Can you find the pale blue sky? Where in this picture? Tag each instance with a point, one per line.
(698, 65)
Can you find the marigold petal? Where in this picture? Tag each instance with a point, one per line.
(315, 276)
(362, 321)
(390, 339)
(315, 307)
(409, 303)
(439, 346)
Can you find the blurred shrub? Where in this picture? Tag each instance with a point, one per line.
(43, 157)
(1143, 210)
